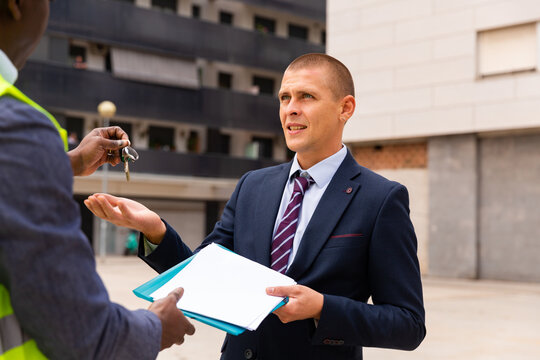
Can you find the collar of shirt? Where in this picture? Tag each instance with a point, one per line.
(7, 69)
(323, 171)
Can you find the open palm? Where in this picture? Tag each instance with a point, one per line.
(124, 212)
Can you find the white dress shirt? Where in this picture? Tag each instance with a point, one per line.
(7, 69)
(321, 173)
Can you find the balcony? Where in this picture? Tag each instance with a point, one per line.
(60, 88)
(314, 9)
(121, 24)
(198, 165)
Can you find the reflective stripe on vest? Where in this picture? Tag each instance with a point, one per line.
(8, 89)
(14, 343)
(28, 350)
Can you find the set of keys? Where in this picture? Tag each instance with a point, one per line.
(128, 154)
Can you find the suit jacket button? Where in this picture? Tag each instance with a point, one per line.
(248, 354)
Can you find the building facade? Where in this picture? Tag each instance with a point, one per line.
(448, 103)
(194, 82)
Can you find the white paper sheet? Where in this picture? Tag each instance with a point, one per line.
(225, 286)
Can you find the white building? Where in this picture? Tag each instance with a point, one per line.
(448, 103)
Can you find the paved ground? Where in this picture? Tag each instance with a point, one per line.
(473, 320)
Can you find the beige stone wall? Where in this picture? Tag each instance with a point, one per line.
(414, 63)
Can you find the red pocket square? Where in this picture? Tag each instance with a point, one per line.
(346, 235)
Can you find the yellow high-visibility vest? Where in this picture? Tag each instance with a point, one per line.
(14, 343)
(8, 89)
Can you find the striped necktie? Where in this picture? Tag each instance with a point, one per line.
(284, 236)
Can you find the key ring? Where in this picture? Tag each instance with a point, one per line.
(129, 153)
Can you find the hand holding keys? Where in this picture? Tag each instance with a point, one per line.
(128, 153)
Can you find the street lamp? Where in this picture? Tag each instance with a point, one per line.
(106, 110)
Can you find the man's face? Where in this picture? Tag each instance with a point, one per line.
(30, 28)
(310, 114)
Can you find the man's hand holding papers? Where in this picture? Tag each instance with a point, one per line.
(225, 286)
(304, 303)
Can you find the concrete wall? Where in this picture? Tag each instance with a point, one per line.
(510, 208)
(414, 64)
(453, 165)
(483, 207)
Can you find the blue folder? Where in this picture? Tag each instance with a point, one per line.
(149, 287)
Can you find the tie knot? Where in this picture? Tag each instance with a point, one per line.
(302, 181)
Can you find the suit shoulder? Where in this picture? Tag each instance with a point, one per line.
(258, 174)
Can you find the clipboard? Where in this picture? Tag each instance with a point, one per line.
(150, 286)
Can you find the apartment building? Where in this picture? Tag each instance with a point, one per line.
(194, 83)
(448, 103)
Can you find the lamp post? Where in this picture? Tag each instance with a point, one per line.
(106, 110)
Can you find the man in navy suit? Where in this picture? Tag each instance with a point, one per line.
(353, 238)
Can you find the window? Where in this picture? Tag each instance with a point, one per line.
(200, 75)
(196, 11)
(298, 32)
(193, 142)
(265, 25)
(108, 62)
(265, 147)
(225, 18)
(154, 68)
(166, 5)
(217, 142)
(224, 80)
(507, 50)
(161, 138)
(77, 56)
(265, 85)
(74, 128)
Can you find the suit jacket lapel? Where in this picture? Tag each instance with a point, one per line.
(268, 200)
(333, 203)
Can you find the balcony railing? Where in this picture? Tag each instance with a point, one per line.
(61, 88)
(122, 24)
(314, 9)
(198, 165)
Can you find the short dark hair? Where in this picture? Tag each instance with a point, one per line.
(344, 84)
